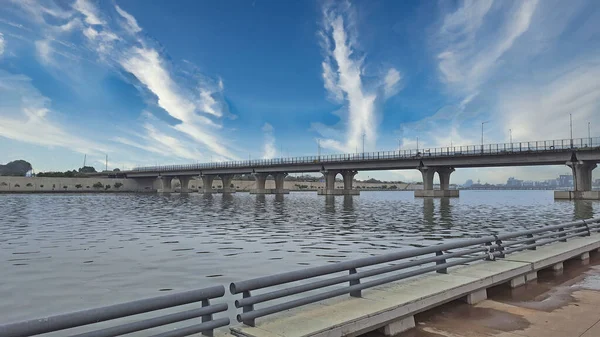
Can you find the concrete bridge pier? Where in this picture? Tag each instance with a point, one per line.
(444, 174)
(279, 183)
(582, 182)
(145, 184)
(261, 181)
(165, 185)
(184, 181)
(227, 179)
(207, 183)
(330, 189)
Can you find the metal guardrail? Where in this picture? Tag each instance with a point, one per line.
(409, 262)
(91, 316)
(454, 151)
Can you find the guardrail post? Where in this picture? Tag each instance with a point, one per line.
(532, 242)
(248, 308)
(207, 318)
(439, 262)
(587, 228)
(562, 235)
(500, 248)
(356, 293)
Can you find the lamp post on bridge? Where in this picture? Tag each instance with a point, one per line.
(319, 149)
(363, 145)
(589, 134)
(571, 128)
(482, 123)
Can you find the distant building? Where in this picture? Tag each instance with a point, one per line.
(468, 183)
(512, 182)
(565, 180)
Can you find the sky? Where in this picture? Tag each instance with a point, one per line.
(174, 82)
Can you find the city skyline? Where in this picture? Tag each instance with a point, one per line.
(185, 82)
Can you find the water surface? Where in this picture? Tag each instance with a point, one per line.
(64, 252)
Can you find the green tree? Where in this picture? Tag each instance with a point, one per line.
(98, 185)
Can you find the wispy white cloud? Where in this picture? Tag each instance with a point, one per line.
(470, 56)
(26, 116)
(269, 150)
(344, 80)
(114, 41)
(1, 44)
(392, 82)
(146, 66)
(44, 51)
(132, 24)
(89, 11)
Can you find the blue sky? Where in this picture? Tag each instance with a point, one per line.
(160, 82)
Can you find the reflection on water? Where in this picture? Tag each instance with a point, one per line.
(72, 249)
(584, 209)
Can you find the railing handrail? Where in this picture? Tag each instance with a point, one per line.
(464, 150)
(107, 313)
(267, 281)
(494, 246)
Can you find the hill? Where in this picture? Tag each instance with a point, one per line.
(15, 168)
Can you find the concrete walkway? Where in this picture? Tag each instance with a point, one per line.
(556, 305)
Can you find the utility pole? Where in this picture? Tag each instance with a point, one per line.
(510, 135)
(84, 159)
(106, 163)
(363, 140)
(319, 148)
(571, 128)
(482, 123)
(399, 145)
(417, 144)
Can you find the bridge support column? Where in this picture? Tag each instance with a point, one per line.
(330, 183)
(279, 183)
(261, 180)
(348, 179)
(444, 175)
(165, 184)
(227, 179)
(207, 183)
(582, 182)
(185, 183)
(146, 184)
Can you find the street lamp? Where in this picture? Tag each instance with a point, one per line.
(363, 140)
(319, 148)
(571, 128)
(482, 123)
(589, 134)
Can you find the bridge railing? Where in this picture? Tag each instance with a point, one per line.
(454, 151)
(86, 317)
(351, 277)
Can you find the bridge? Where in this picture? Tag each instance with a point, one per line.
(580, 154)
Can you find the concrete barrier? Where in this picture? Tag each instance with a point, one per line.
(575, 195)
(391, 308)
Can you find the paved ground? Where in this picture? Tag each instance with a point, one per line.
(566, 305)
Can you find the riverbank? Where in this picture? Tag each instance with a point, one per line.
(113, 185)
(69, 185)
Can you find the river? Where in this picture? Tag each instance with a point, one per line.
(62, 252)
